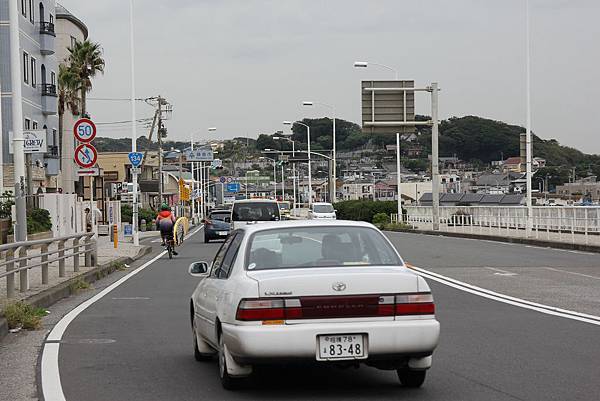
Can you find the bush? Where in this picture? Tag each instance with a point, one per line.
(38, 221)
(6, 203)
(396, 227)
(20, 314)
(380, 220)
(364, 210)
(143, 214)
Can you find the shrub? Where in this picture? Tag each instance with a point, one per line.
(381, 219)
(38, 221)
(20, 314)
(396, 227)
(143, 214)
(6, 203)
(364, 210)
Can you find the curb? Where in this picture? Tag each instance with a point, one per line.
(54, 294)
(497, 238)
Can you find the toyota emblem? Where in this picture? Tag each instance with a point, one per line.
(338, 286)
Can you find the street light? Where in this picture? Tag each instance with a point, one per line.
(333, 188)
(309, 159)
(365, 64)
(274, 169)
(279, 138)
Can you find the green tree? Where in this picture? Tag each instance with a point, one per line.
(68, 88)
(86, 60)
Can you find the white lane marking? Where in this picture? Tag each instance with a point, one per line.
(566, 271)
(157, 240)
(549, 310)
(51, 384)
(500, 272)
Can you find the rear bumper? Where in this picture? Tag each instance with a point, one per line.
(214, 233)
(386, 340)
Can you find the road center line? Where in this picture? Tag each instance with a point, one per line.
(499, 270)
(51, 385)
(566, 271)
(521, 303)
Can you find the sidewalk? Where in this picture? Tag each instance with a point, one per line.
(106, 254)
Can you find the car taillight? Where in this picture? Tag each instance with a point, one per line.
(279, 309)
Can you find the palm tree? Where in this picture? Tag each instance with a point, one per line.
(86, 60)
(68, 89)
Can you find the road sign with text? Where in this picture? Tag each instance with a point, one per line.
(84, 130)
(136, 158)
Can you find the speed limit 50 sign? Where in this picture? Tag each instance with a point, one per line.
(84, 130)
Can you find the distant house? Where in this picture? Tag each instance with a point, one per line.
(512, 164)
(474, 200)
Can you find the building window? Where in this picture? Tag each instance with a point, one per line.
(51, 18)
(31, 12)
(73, 42)
(24, 8)
(27, 123)
(53, 78)
(33, 72)
(35, 125)
(26, 67)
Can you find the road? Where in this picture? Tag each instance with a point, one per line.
(135, 342)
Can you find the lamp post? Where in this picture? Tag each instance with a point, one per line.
(309, 159)
(333, 185)
(293, 163)
(274, 170)
(134, 217)
(365, 64)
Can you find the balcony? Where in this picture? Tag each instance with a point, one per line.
(53, 152)
(47, 38)
(49, 99)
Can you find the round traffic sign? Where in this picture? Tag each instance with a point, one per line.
(229, 180)
(86, 155)
(222, 180)
(84, 130)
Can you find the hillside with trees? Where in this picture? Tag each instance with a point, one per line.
(470, 138)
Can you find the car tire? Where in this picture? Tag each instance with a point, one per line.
(411, 378)
(228, 382)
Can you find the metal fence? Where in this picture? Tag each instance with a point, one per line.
(20, 257)
(577, 224)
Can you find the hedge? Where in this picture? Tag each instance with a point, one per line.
(364, 210)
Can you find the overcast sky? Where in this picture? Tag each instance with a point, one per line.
(244, 66)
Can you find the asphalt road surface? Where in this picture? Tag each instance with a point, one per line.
(135, 343)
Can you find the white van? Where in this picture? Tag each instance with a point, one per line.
(254, 210)
(321, 210)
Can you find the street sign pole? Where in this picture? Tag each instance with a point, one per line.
(435, 178)
(136, 238)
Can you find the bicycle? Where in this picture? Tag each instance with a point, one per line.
(170, 242)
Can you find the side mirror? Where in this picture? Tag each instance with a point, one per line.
(199, 269)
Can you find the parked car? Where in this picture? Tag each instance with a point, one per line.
(335, 292)
(254, 210)
(217, 225)
(321, 210)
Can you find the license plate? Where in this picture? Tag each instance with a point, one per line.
(222, 233)
(341, 346)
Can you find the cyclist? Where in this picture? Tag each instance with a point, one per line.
(165, 222)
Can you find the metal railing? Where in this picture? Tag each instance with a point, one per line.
(48, 90)
(17, 258)
(47, 27)
(576, 224)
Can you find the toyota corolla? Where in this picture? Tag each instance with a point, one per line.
(323, 291)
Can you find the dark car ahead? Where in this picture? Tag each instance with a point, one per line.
(217, 225)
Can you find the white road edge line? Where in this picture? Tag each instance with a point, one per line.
(51, 385)
(549, 310)
(566, 271)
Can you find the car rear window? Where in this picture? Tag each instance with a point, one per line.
(323, 208)
(219, 215)
(302, 247)
(255, 211)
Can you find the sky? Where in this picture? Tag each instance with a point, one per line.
(244, 66)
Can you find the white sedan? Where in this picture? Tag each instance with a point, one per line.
(329, 291)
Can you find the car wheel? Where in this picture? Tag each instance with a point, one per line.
(411, 378)
(228, 382)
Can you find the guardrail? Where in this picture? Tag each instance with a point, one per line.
(570, 223)
(17, 258)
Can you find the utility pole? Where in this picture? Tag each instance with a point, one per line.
(435, 184)
(17, 128)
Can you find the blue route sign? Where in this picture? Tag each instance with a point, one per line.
(136, 158)
(233, 187)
